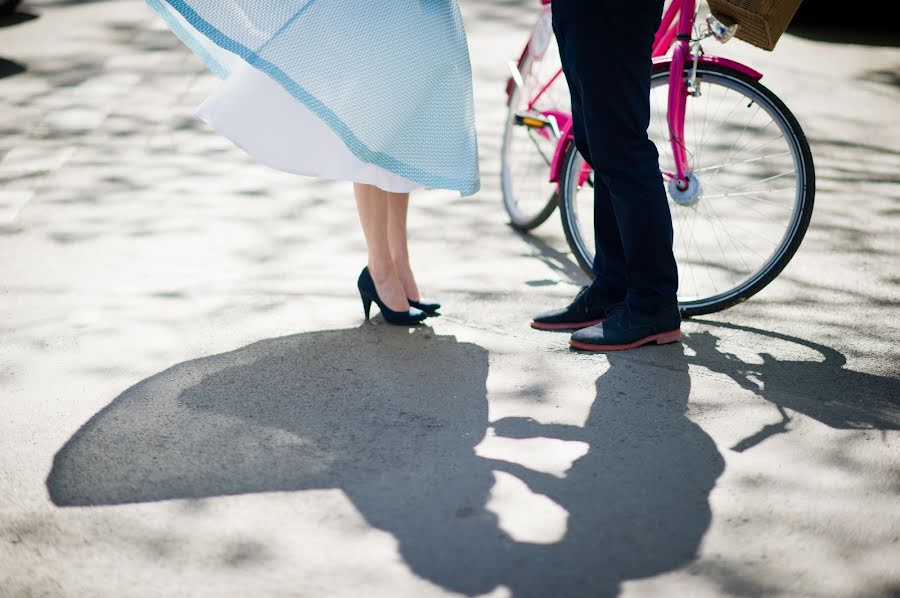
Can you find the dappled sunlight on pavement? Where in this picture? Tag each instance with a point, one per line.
(193, 404)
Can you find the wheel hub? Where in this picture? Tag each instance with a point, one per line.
(688, 196)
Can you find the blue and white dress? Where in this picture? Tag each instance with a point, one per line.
(359, 90)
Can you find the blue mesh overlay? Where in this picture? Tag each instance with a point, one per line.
(391, 79)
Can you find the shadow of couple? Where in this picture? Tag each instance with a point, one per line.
(392, 417)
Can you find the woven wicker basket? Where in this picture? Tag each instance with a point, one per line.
(760, 22)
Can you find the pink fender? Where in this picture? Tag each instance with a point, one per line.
(715, 61)
(566, 138)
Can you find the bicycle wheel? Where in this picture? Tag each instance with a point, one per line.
(751, 197)
(530, 137)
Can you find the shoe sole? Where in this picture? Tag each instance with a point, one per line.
(574, 326)
(662, 338)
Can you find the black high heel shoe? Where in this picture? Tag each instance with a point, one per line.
(429, 307)
(369, 294)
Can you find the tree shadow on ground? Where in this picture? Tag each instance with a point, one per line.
(392, 417)
(8, 68)
(16, 18)
(560, 262)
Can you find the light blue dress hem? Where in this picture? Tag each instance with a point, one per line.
(189, 40)
(465, 187)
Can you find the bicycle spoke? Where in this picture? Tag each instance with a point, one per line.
(739, 162)
(687, 253)
(753, 251)
(755, 234)
(721, 248)
(751, 194)
(689, 108)
(703, 259)
(706, 123)
(728, 235)
(766, 180)
(738, 150)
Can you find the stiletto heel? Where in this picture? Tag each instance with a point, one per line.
(369, 294)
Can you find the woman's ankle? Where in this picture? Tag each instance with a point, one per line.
(382, 270)
(388, 284)
(408, 279)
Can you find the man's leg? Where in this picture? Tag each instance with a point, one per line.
(612, 48)
(610, 279)
(609, 261)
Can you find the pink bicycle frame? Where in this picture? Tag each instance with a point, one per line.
(674, 33)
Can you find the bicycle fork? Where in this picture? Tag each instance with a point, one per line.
(683, 186)
(678, 92)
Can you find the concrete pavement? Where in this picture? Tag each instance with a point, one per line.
(191, 405)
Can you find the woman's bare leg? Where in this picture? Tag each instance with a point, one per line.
(398, 207)
(373, 204)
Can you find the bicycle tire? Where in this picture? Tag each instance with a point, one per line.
(793, 236)
(519, 219)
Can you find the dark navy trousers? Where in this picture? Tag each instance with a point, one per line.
(606, 48)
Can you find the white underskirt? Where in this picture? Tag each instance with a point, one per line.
(266, 121)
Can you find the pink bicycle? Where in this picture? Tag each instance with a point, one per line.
(735, 162)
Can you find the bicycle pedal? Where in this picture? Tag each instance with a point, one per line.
(532, 121)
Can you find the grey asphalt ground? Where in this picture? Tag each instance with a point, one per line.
(193, 406)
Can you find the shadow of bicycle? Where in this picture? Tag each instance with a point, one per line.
(821, 387)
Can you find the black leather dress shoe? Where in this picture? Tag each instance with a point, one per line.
(627, 328)
(589, 307)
